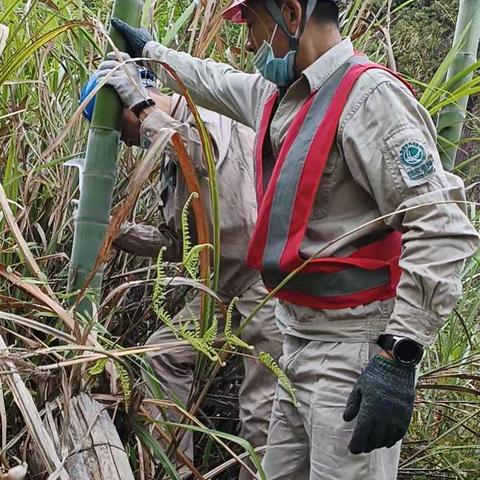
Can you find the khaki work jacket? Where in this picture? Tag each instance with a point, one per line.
(233, 145)
(368, 175)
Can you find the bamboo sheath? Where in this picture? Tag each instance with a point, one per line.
(452, 117)
(99, 174)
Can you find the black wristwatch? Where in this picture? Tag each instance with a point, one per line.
(141, 106)
(404, 350)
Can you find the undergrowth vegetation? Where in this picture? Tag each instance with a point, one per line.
(51, 48)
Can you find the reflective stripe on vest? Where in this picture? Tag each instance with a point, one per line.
(371, 272)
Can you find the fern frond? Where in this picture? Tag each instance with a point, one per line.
(200, 345)
(158, 298)
(267, 360)
(192, 261)
(98, 367)
(212, 332)
(235, 342)
(124, 381)
(159, 286)
(186, 238)
(195, 321)
(232, 340)
(228, 320)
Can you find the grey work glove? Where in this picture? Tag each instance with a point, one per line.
(382, 400)
(136, 38)
(125, 79)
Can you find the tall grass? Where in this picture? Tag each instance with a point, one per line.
(48, 54)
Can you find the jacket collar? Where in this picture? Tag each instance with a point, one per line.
(325, 66)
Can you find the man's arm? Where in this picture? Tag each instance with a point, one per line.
(146, 241)
(212, 85)
(389, 142)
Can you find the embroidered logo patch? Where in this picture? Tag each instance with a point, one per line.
(417, 165)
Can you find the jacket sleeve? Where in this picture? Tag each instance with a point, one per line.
(180, 120)
(146, 241)
(389, 143)
(212, 85)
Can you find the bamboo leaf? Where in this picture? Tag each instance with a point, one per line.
(10, 65)
(179, 23)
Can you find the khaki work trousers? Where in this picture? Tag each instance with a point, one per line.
(311, 442)
(174, 368)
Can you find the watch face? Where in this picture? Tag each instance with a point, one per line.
(407, 351)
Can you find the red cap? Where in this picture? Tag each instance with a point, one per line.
(234, 12)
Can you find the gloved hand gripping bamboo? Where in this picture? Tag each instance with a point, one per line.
(136, 38)
(125, 79)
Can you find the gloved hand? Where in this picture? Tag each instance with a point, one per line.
(126, 80)
(136, 38)
(383, 400)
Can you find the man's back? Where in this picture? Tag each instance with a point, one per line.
(232, 144)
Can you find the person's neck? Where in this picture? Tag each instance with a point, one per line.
(315, 42)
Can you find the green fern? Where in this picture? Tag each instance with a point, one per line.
(190, 255)
(98, 367)
(212, 332)
(267, 360)
(195, 321)
(189, 260)
(199, 344)
(158, 298)
(124, 381)
(190, 331)
(186, 238)
(228, 320)
(192, 261)
(123, 378)
(232, 340)
(192, 336)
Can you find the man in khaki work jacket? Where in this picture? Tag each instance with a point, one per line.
(233, 143)
(347, 170)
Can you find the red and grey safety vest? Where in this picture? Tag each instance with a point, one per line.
(285, 204)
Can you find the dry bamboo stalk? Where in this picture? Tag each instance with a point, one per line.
(95, 451)
(33, 421)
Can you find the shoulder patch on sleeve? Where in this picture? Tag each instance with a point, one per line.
(416, 165)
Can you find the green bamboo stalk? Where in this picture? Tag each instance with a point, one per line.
(452, 118)
(99, 174)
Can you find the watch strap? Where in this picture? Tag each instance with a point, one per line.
(386, 342)
(140, 106)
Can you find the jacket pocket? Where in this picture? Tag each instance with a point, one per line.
(324, 195)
